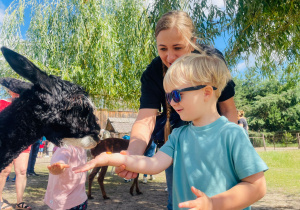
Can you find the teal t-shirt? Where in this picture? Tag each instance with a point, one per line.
(212, 158)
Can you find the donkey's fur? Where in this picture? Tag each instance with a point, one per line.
(50, 107)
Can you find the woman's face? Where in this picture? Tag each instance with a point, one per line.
(171, 44)
(13, 94)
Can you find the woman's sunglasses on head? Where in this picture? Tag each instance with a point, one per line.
(175, 94)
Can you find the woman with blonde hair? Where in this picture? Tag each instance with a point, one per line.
(242, 120)
(175, 37)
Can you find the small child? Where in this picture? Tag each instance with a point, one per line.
(66, 190)
(41, 148)
(215, 166)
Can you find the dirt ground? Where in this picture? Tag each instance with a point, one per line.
(154, 195)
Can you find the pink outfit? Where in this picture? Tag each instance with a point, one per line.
(54, 148)
(67, 190)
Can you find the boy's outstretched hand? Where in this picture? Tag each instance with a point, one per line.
(202, 201)
(57, 168)
(99, 160)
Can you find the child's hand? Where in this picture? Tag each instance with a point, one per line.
(202, 201)
(98, 161)
(57, 168)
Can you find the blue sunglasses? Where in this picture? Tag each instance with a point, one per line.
(175, 94)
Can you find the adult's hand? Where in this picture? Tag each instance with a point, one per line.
(121, 169)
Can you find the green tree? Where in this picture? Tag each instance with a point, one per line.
(268, 29)
(270, 104)
(105, 45)
(102, 45)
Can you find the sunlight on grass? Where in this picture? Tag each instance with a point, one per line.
(284, 171)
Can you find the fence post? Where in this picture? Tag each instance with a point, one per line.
(285, 140)
(274, 141)
(298, 137)
(263, 136)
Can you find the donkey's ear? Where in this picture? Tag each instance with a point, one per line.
(27, 69)
(15, 85)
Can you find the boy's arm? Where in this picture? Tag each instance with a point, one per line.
(250, 190)
(135, 163)
(247, 192)
(148, 165)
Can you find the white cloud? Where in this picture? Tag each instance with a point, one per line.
(241, 66)
(2, 12)
(218, 3)
(250, 62)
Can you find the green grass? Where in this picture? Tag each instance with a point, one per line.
(284, 171)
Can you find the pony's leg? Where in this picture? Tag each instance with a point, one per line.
(91, 178)
(136, 183)
(100, 181)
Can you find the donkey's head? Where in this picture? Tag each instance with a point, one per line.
(59, 109)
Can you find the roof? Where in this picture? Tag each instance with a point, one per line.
(120, 125)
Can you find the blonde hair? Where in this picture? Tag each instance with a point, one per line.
(198, 69)
(241, 113)
(182, 21)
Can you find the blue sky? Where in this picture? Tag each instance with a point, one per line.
(220, 43)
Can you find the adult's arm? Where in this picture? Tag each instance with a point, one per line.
(139, 138)
(141, 131)
(228, 109)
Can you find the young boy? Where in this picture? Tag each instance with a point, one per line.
(214, 163)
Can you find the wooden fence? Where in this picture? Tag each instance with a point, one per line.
(104, 114)
(262, 139)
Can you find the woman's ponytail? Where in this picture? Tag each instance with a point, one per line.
(167, 129)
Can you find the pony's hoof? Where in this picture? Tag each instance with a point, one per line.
(90, 197)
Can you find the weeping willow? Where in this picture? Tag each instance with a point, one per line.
(105, 45)
(101, 45)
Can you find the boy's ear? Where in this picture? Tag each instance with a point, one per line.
(208, 92)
